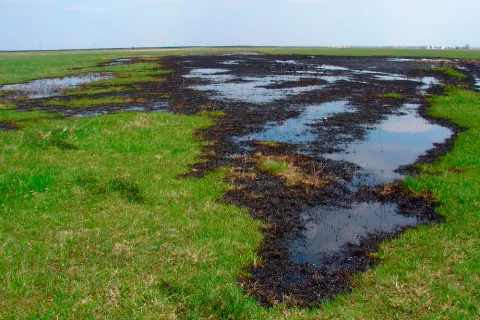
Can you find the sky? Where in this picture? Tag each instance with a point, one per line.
(76, 24)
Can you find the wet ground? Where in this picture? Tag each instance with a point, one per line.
(44, 88)
(333, 119)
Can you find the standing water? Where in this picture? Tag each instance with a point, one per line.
(44, 88)
(395, 142)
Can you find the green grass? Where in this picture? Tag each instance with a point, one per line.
(91, 92)
(13, 115)
(7, 106)
(273, 166)
(96, 223)
(131, 73)
(384, 52)
(93, 224)
(212, 114)
(86, 102)
(449, 71)
(392, 95)
(125, 76)
(20, 67)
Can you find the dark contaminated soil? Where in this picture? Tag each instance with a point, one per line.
(331, 117)
(5, 125)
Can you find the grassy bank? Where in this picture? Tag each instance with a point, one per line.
(95, 222)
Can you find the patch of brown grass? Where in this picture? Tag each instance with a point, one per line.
(181, 106)
(268, 143)
(238, 172)
(293, 174)
(161, 95)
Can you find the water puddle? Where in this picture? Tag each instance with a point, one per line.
(44, 88)
(232, 62)
(152, 107)
(6, 126)
(477, 82)
(120, 62)
(349, 73)
(136, 108)
(207, 71)
(333, 68)
(334, 79)
(400, 59)
(286, 61)
(395, 142)
(375, 72)
(426, 82)
(91, 113)
(331, 79)
(328, 230)
(390, 77)
(158, 106)
(297, 130)
(227, 86)
(249, 89)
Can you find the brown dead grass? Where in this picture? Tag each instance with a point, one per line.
(296, 174)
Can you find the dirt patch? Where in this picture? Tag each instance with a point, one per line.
(5, 125)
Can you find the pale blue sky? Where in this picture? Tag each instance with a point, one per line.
(75, 24)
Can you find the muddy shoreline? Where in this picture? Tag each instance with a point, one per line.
(260, 94)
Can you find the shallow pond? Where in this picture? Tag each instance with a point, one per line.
(328, 230)
(120, 62)
(44, 88)
(249, 89)
(396, 141)
(298, 130)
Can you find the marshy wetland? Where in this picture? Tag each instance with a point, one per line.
(310, 158)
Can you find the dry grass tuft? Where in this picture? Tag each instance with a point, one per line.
(291, 173)
(240, 173)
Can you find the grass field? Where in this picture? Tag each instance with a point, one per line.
(92, 225)
(23, 66)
